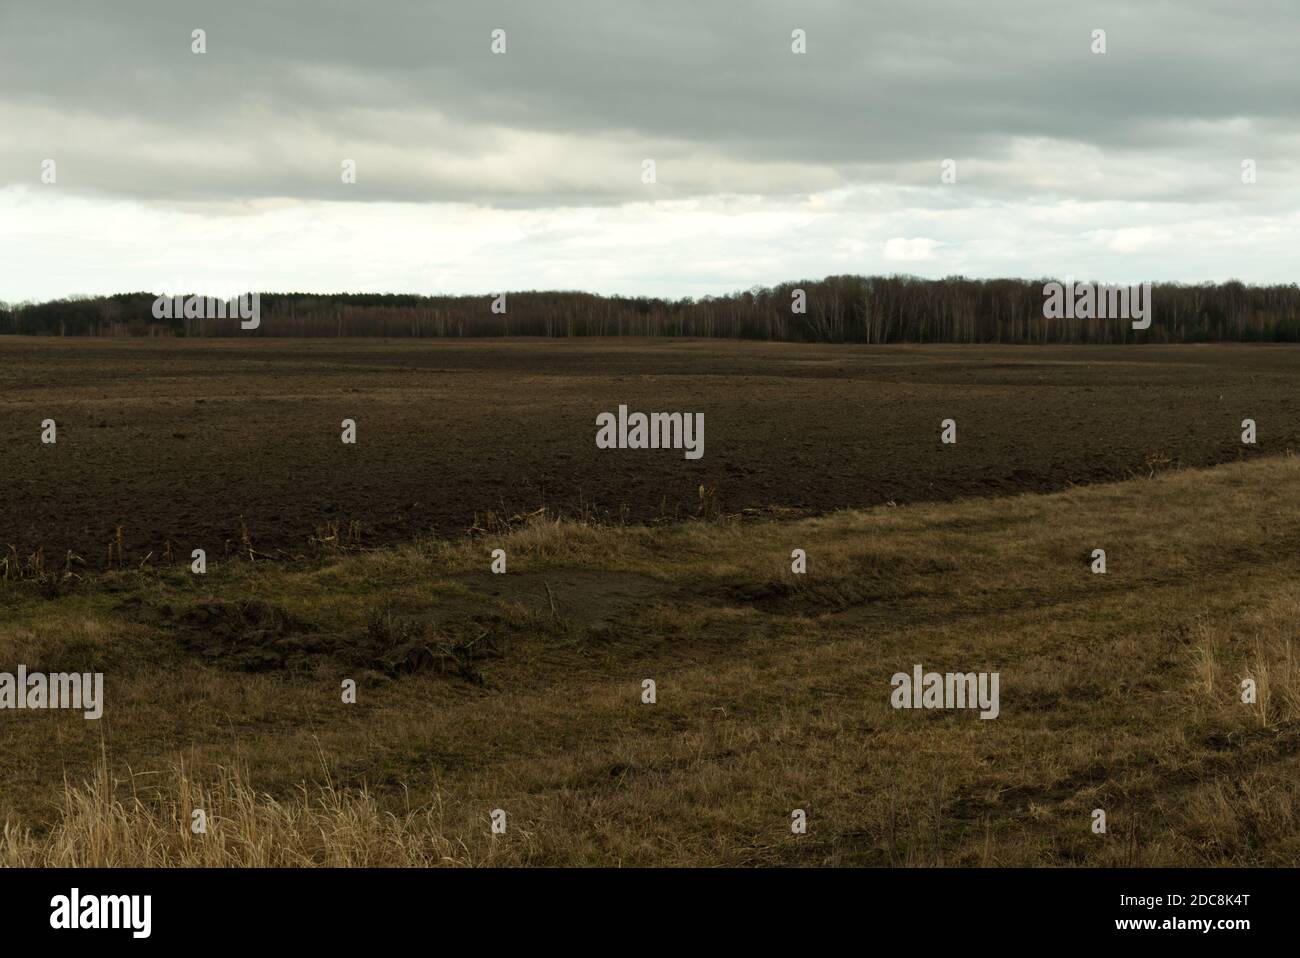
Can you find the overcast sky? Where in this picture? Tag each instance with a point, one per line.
(479, 172)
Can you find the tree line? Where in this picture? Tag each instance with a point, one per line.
(854, 309)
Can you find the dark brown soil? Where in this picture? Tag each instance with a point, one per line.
(195, 441)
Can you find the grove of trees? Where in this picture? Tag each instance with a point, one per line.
(855, 309)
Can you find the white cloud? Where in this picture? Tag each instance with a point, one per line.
(901, 250)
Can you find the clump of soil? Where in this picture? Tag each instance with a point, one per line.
(396, 645)
(252, 636)
(258, 636)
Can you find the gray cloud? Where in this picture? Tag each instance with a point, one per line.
(589, 89)
(479, 172)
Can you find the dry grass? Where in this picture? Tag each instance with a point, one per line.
(109, 823)
(1120, 692)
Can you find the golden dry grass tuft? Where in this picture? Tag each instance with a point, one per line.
(109, 823)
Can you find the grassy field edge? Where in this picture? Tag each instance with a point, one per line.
(522, 693)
